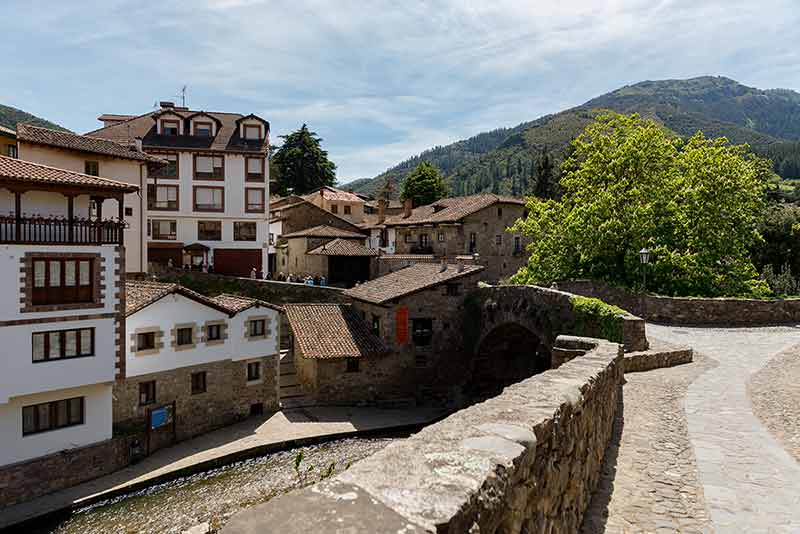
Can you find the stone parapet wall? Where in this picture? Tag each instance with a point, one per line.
(690, 311)
(524, 461)
(28, 480)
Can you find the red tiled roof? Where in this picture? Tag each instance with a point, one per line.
(144, 126)
(82, 143)
(332, 193)
(324, 230)
(409, 280)
(26, 172)
(326, 331)
(449, 210)
(343, 247)
(239, 303)
(140, 294)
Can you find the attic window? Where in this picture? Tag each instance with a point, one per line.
(202, 129)
(437, 208)
(252, 131)
(170, 127)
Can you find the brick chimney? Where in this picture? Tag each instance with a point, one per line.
(137, 142)
(165, 104)
(382, 210)
(407, 205)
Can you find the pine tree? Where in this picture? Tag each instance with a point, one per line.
(424, 185)
(302, 164)
(544, 176)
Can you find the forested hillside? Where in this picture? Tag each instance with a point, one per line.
(525, 159)
(9, 117)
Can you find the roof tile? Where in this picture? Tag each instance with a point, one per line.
(343, 247)
(17, 170)
(327, 331)
(324, 230)
(449, 210)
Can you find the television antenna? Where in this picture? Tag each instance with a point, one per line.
(182, 95)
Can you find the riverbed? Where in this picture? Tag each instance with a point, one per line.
(214, 496)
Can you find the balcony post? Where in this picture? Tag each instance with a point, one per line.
(121, 226)
(18, 216)
(70, 218)
(98, 201)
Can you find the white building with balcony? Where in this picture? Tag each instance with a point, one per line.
(209, 205)
(62, 315)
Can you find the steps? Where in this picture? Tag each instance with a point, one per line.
(290, 391)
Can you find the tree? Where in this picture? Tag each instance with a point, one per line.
(302, 164)
(545, 176)
(629, 184)
(424, 185)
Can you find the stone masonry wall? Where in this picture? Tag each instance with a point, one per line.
(690, 311)
(524, 461)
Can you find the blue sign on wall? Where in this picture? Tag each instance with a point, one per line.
(159, 417)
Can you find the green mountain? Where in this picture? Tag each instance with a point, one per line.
(9, 117)
(525, 158)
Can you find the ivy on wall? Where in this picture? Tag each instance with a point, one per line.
(591, 314)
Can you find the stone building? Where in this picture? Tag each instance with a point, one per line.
(214, 358)
(339, 255)
(475, 225)
(346, 205)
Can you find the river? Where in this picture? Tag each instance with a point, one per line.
(213, 496)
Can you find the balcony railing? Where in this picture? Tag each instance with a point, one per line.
(59, 230)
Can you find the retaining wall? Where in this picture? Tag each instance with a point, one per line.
(524, 461)
(690, 311)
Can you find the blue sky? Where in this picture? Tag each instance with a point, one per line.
(379, 81)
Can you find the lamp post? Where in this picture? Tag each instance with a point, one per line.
(644, 258)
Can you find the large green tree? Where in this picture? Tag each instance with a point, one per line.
(629, 184)
(302, 164)
(424, 185)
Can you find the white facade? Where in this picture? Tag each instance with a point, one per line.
(28, 378)
(178, 310)
(235, 186)
(374, 240)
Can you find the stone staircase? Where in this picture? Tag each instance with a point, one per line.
(290, 392)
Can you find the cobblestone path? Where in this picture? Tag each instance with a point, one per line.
(650, 481)
(751, 483)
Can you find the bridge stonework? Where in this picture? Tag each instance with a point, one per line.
(526, 460)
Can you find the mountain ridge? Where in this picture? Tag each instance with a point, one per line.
(11, 116)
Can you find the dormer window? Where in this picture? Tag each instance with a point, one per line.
(202, 129)
(170, 127)
(252, 132)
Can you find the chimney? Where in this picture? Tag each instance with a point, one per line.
(407, 208)
(461, 265)
(166, 104)
(443, 266)
(381, 210)
(138, 144)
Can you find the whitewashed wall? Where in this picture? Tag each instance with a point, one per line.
(97, 424)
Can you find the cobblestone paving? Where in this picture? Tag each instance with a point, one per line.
(751, 484)
(650, 481)
(775, 394)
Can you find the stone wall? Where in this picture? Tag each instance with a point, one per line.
(227, 398)
(524, 461)
(28, 480)
(690, 311)
(266, 290)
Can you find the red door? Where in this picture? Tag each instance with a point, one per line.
(237, 261)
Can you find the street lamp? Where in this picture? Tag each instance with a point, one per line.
(644, 258)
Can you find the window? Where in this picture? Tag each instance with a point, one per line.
(423, 240)
(254, 200)
(147, 393)
(252, 131)
(257, 327)
(517, 244)
(244, 231)
(202, 129)
(170, 170)
(164, 229)
(209, 167)
(334, 208)
(255, 169)
(198, 382)
(408, 238)
(453, 289)
(214, 332)
(184, 336)
(347, 210)
(473, 242)
(352, 365)
(209, 230)
(11, 151)
(253, 371)
(57, 281)
(376, 324)
(271, 238)
(52, 415)
(63, 344)
(209, 198)
(92, 168)
(128, 212)
(499, 212)
(146, 341)
(498, 239)
(422, 331)
(162, 197)
(440, 237)
(170, 127)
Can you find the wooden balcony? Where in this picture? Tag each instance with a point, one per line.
(59, 231)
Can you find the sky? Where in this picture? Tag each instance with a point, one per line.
(378, 81)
